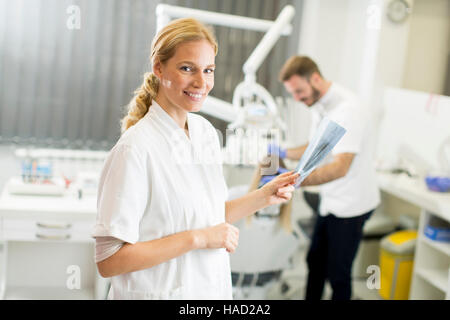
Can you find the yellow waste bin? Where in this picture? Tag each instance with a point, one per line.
(396, 263)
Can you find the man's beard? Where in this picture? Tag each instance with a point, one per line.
(314, 96)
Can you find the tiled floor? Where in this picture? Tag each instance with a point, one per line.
(296, 280)
(362, 292)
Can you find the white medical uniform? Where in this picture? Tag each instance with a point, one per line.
(357, 192)
(157, 181)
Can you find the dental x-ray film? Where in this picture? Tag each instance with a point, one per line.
(325, 138)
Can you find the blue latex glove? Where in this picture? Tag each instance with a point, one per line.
(276, 150)
(268, 178)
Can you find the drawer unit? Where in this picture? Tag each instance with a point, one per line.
(19, 229)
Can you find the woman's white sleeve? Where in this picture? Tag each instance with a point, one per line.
(106, 247)
(122, 195)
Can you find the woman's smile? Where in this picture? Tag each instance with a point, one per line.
(194, 96)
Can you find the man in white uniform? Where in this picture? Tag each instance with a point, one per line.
(349, 193)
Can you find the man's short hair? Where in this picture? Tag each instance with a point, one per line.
(302, 66)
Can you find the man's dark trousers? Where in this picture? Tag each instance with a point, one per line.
(333, 248)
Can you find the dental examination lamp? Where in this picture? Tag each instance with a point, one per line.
(252, 102)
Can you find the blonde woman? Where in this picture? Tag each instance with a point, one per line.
(163, 227)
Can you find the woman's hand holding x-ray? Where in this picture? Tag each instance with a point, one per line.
(280, 189)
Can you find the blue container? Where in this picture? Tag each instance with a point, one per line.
(437, 234)
(439, 184)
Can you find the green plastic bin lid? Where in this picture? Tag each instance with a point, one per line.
(400, 242)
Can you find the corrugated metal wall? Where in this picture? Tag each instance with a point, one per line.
(68, 88)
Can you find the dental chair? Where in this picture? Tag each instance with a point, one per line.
(267, 243)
